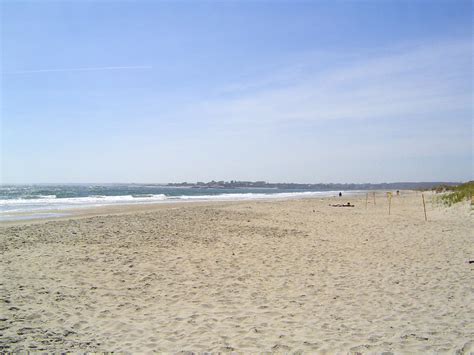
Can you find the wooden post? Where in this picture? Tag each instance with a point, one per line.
(374, 199)
(366, 199)
(389, 203)
(424, 207)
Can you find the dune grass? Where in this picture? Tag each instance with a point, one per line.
(459, 193)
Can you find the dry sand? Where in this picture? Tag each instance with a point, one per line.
(279, 276)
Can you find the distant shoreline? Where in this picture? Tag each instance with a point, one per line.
(256, 184)
(318, 186)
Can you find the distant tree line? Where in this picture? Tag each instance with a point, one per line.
(319, 187)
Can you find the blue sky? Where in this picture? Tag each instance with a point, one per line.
(319, 91)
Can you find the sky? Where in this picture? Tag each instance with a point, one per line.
(281, 91)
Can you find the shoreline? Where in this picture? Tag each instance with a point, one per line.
(113, 210)
(77, 212)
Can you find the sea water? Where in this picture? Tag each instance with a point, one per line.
(40, 201)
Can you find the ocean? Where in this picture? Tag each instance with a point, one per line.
(41, 201)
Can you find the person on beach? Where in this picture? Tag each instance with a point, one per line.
(348, 204)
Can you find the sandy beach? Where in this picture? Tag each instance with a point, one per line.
(275, 276)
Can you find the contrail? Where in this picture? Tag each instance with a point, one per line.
(76, 69)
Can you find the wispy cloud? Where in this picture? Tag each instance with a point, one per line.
(34, 71)
(416, 81)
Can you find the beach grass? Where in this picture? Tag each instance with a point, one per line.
(459, 193)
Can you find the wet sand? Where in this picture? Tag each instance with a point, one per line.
(278, 276)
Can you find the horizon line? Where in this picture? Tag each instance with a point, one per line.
(267, 182)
